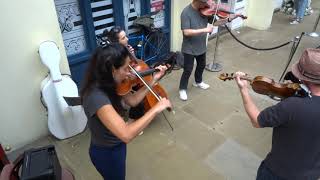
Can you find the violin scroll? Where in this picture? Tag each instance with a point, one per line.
(230, 76)
(226, 76)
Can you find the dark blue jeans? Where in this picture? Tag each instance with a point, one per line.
(188, 67)
(300, 7)
(110, 162)
(264, 173)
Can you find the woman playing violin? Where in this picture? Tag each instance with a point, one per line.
(118, 35)
(295, 121)
(105, 110)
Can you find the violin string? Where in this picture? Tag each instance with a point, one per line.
(149, 88)
(146, 84)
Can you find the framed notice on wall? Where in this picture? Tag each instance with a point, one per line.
(158, 6)
(71, 26)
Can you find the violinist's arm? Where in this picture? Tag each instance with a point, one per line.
(196, 32)
(250, 107)
(126, 132)
(133, 99)
(248, 104)
(6, 172)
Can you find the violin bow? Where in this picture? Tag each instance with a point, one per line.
(153, 93)
(216, 11)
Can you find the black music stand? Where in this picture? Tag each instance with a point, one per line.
(214, 66)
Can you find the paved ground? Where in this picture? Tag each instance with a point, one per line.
(212, 137)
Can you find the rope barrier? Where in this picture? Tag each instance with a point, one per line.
(258, 49)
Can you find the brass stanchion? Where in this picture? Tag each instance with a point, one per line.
(314, 33)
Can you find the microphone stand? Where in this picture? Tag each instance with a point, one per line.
(314, 33)
(214, 66)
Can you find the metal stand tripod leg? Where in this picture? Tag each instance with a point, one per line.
(214, 66)
(314, 33)
(292, 52)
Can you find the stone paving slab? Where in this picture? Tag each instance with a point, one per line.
(198, 138)
(175, 163)
(234, 161)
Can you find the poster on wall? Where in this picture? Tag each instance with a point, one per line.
(158, 6)
(71, 26)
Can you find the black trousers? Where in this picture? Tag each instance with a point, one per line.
(138, 111)
(264, 173)
(188, 67)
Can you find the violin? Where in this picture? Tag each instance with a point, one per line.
(221, 13)
(214, 9)
(155, 93)
(267, 86)
(126, 86)
(145, 72)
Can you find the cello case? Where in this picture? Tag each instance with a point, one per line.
(63, 121)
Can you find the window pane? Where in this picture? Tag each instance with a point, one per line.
(102, 14)
(71, 26)
(159, 18)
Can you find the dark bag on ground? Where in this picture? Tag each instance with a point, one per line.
(180, 60)
(41, 164)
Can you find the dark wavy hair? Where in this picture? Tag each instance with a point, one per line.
(99, 71)
(113, 34)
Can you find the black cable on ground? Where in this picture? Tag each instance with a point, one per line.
(258, 49)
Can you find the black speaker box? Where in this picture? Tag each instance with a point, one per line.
(41, 164)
